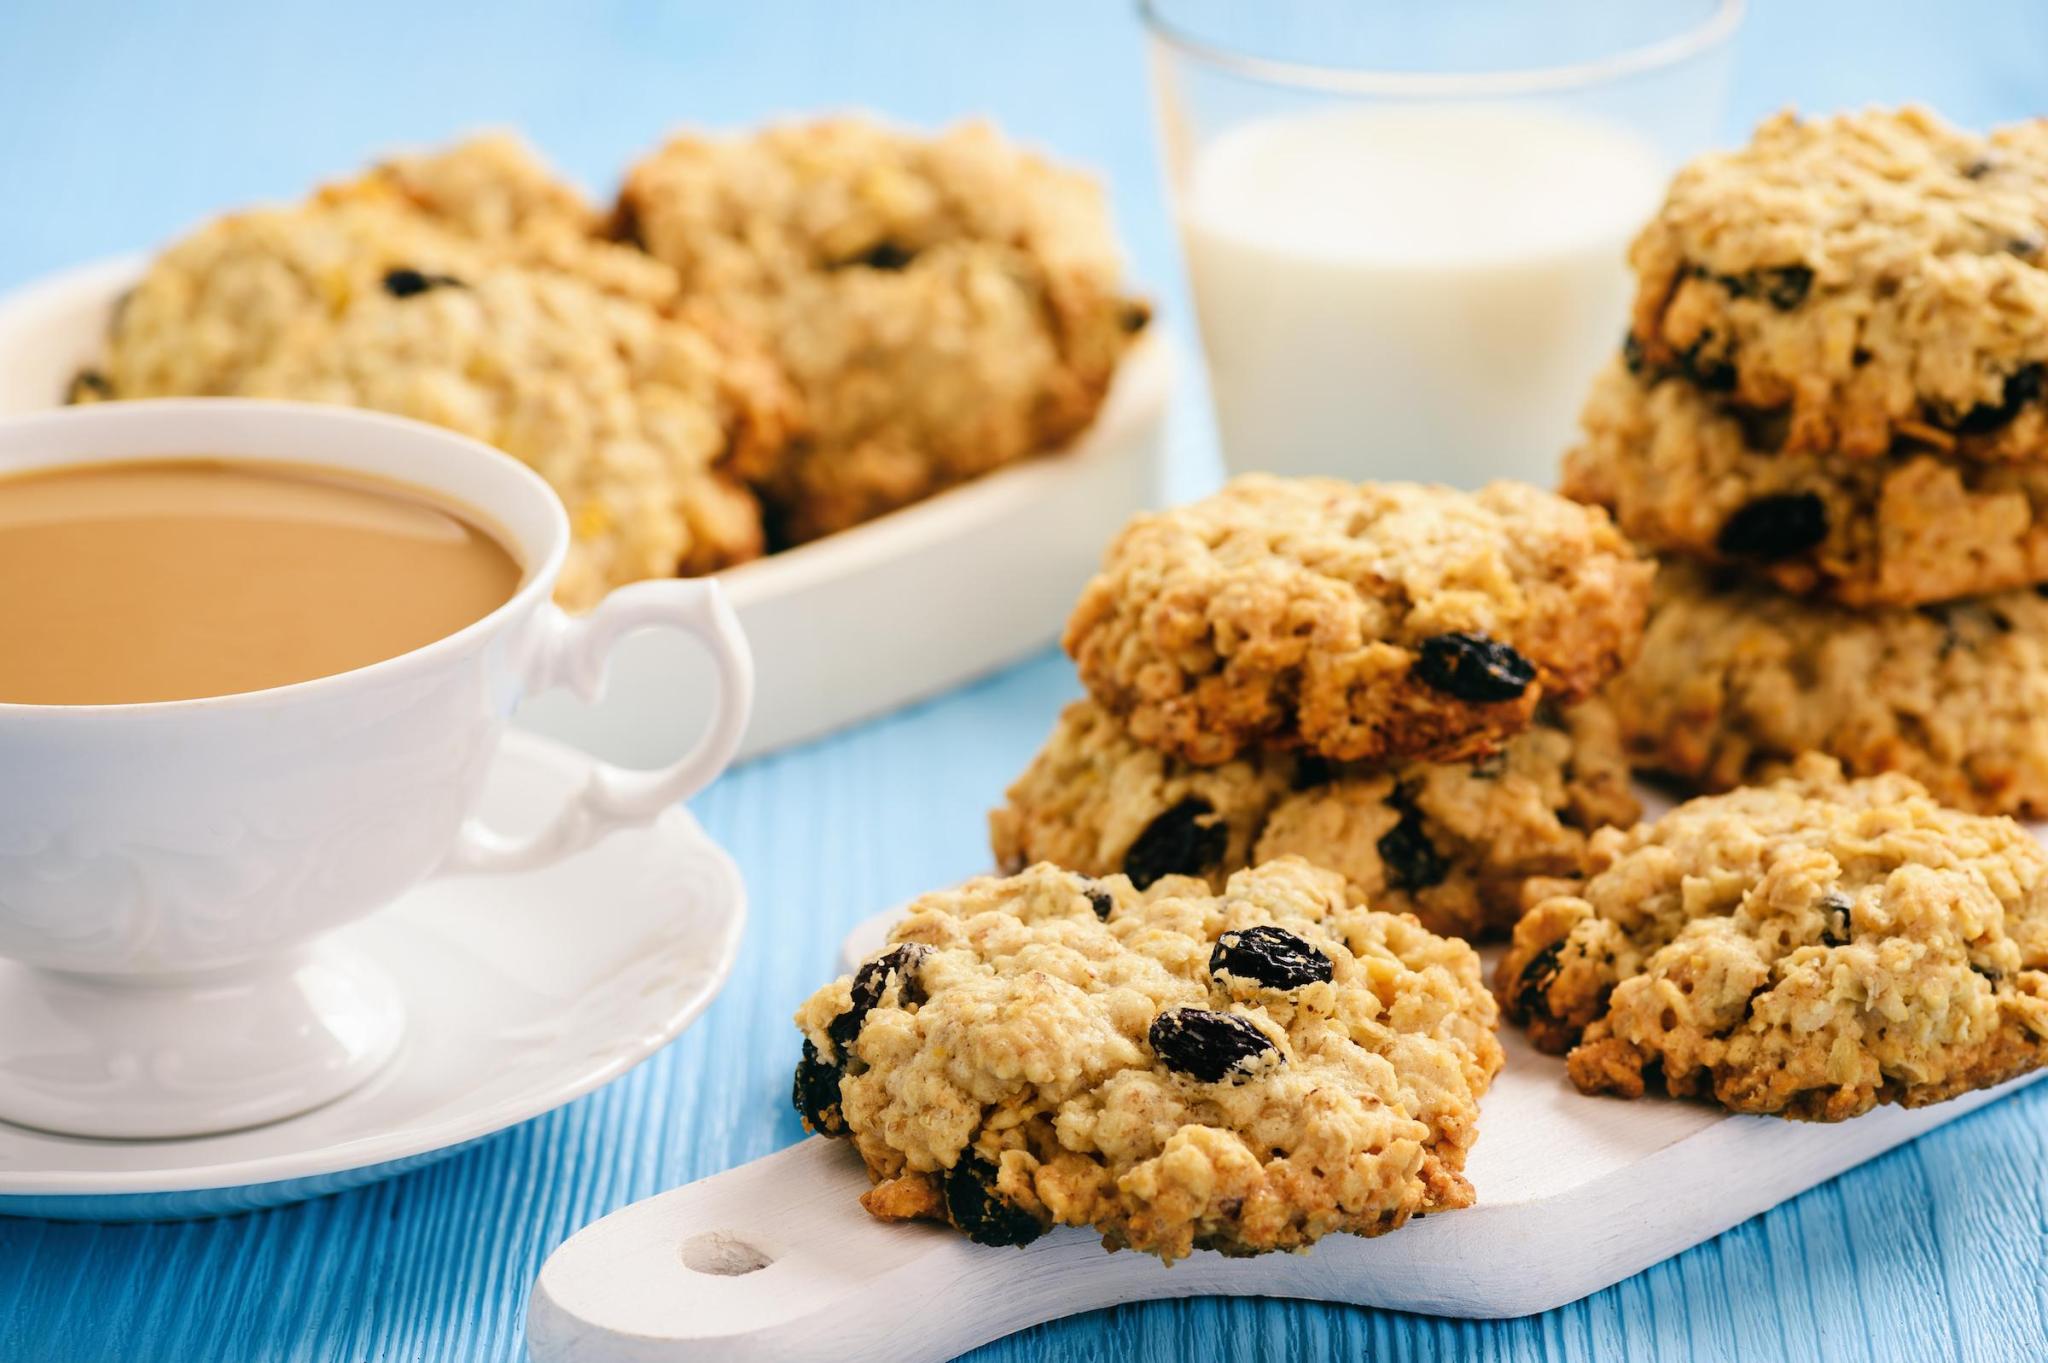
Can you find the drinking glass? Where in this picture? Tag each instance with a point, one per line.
(1407, 224)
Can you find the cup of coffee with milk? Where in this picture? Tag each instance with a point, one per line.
(255, 660)
(1407, 225)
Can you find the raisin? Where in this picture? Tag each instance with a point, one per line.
(88, 383)
(1775, 527)
(1706, 372)
(1764, 428)
(1134, 316)
(1951, 637)
(1100, 901)
(1207, 1046)
(1632, 354)
(1177, 843)
(404, 283)
(1992, 975)
(816, 1094)
(984, 1215)
(624, 225)
(1312, 770)
(1269, 956)
(2024, 247)
(1785, 286)
(1410, 858)
(1474, 667)
(883, 255)
(1979, 168)
(1535, 982)
(871, 982)
(2022, 386)
(1834, 919)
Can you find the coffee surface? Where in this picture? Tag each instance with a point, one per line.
(175, 579)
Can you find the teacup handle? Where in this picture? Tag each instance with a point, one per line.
(572, 654)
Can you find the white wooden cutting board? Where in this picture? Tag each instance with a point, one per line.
(776, 1260)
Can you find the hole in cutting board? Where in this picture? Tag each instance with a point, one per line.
(723, 1255)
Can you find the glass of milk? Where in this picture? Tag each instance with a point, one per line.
(1407, 221)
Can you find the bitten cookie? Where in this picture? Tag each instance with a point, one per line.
(1807, 949)
(945, 304)
(1734, 681)
(1870, 277)
(1684, 475)
(1364, 622)
(1452, 843)
(376, 294)
(1178, 1069)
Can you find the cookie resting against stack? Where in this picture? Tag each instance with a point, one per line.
(1809, 949)
(802, 329)
(1177, 1068)
(1832, 390)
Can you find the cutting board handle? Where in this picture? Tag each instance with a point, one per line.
(772, 1260)
(776, 1260)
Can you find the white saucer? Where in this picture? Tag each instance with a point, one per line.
(521, 992)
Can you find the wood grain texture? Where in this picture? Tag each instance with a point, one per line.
(120, 122)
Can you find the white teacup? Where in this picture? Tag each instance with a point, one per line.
(167, 870)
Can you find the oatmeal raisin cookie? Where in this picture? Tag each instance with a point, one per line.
(1735, 680)
(945, 304)
(1809, 949)
(1452, 843)
(1682, 475)
(420, 290)
(1178, 1069)
(1867, 278)
(1369, 622)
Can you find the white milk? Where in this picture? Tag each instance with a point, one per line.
(1419, 293)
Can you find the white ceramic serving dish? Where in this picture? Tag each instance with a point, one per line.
(902, 608)
(524, 992)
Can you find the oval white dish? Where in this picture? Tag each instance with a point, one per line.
(848, 627)
(520, 1000)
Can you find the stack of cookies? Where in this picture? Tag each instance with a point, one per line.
(1157, 1023)
(1392, 681)
(1829, 413)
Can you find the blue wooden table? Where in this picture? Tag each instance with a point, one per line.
(121, 123)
